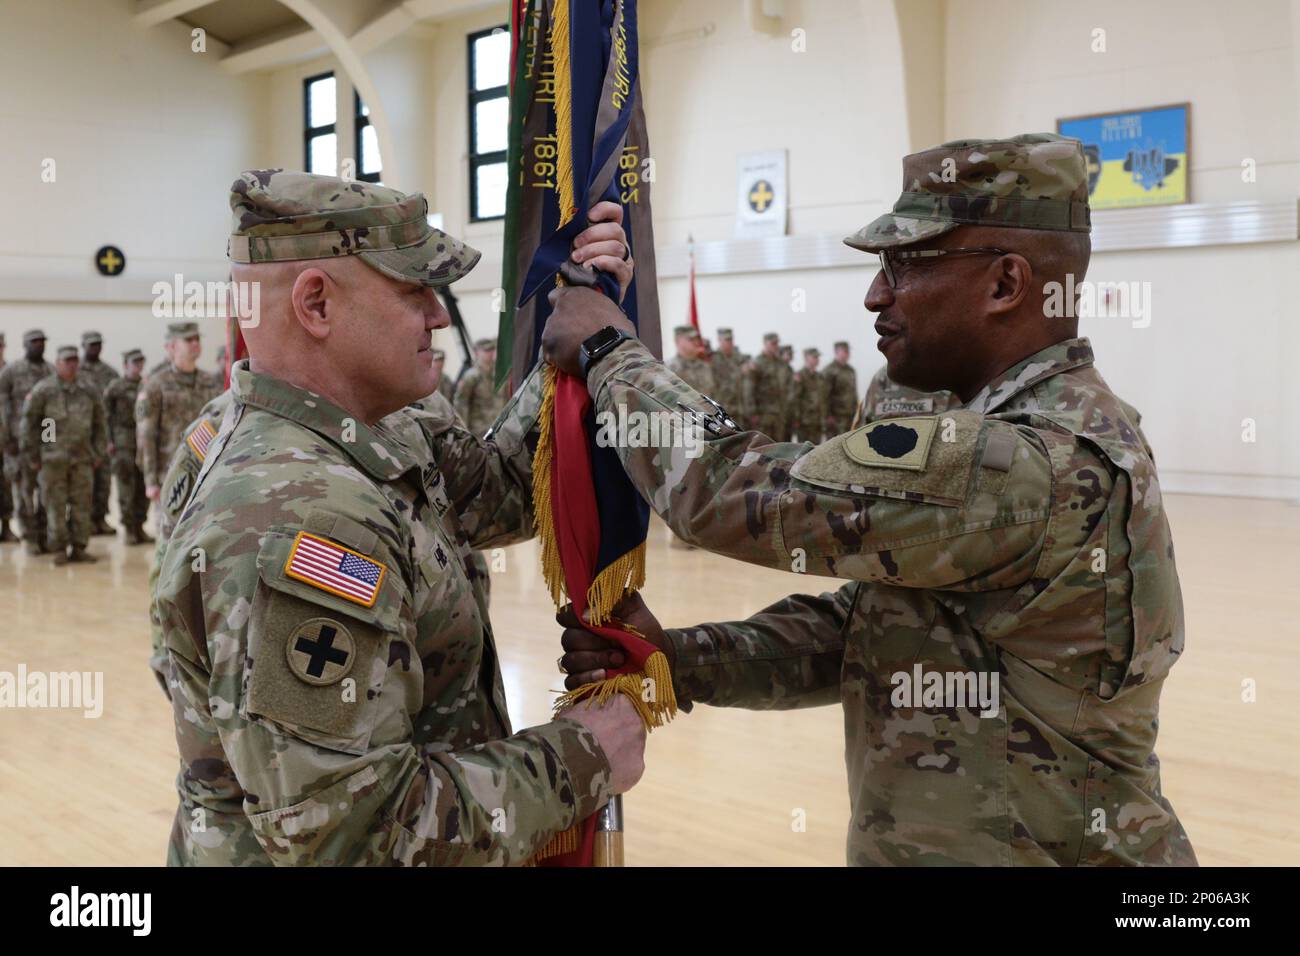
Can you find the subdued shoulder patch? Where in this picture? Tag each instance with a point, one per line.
(178, 492)
(335, 569)
(928, 458)
(320, 651)
(896, 443)
(200, 437)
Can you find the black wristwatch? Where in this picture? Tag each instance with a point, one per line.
(596, 347)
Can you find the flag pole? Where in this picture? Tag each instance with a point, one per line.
(609, 833)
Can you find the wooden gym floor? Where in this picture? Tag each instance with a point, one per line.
(721, 786)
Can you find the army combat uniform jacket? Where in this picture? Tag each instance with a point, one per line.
(166, 401)
(1021, 537)
(337, 694)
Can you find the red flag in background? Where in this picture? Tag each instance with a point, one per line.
(692, 311)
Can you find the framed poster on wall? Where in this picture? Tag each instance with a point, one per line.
(1135, 157)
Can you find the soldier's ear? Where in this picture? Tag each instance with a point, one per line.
(1009, 281)
(310, 297)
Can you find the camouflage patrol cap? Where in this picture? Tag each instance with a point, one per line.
(132, 355)
(724, 333)
(787, 349)
(33, 335)
(841, 345)
(1031, 181)
(182, 330)
(808, 352)
(91, 338)
(67, 352)
(282, 216)
(483, 344)
(771, 337)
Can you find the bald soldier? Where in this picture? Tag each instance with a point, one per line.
(100, 375)
(477, 401)
(1013, 607)
(6, 492)
(689, 364)
(17, 379)
(65, 438)
(337, 692)
(168, 400)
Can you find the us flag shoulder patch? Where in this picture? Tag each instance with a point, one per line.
(334, 568)
(200, 438)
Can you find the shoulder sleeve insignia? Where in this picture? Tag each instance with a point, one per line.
(200, 438)
(895, 443)
(320, 651)
(333, 568)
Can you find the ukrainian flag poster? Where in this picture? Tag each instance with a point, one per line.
(1135, 158)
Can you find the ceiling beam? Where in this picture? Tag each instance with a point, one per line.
(290, 44)
(150, 13)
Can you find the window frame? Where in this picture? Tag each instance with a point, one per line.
(477, 160)
(359, 122)
(310, 132)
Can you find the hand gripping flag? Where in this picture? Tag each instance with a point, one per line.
(577, 137)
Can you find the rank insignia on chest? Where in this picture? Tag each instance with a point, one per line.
(894, 443)
(441, 555)
(334, 568)
(200, 438)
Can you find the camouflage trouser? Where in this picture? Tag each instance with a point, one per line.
(810, 431)
(131, 500)
(6, 493)
(29, 504)
(839, 425)
(103, 487)
(773, 426)
(66, 488)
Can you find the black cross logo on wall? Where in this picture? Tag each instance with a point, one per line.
(321, 651)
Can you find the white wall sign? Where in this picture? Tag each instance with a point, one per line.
(761, 200)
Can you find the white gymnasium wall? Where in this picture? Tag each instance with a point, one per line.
(146, 136)
(1223, 319)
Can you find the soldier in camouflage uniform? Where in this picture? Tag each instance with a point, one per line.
(119, 405)
(100, 375)
(808, 399)
(6, 492)
(688, 364)
(841, 391)
(446, 387)
(766, 390)
(1020, 539)
(64, 431)
(337, 693)
(477, 402)
(169, 400)
(787, 388)
(729, 375)
(17, 379)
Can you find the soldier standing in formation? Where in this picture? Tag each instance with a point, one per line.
(841, 391)
(6, 492)
(446, 387)
(100, 375)
(1019, 542)
(689, 363)
(119, 405)
(808, 399)
(477, 402)
(787, 383)
(729, 375)
(64, 435)
(168, 401)
(766, 390)
(17, 380)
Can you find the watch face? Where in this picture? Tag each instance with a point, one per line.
(601, 340)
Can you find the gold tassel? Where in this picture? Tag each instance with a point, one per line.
(659, 710)
(614, 583)
(543, 517)
(563, 109)
(566, 841)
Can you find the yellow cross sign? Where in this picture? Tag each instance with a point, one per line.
(110, 260)
(761, 196)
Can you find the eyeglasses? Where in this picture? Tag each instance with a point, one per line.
(891, 259)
